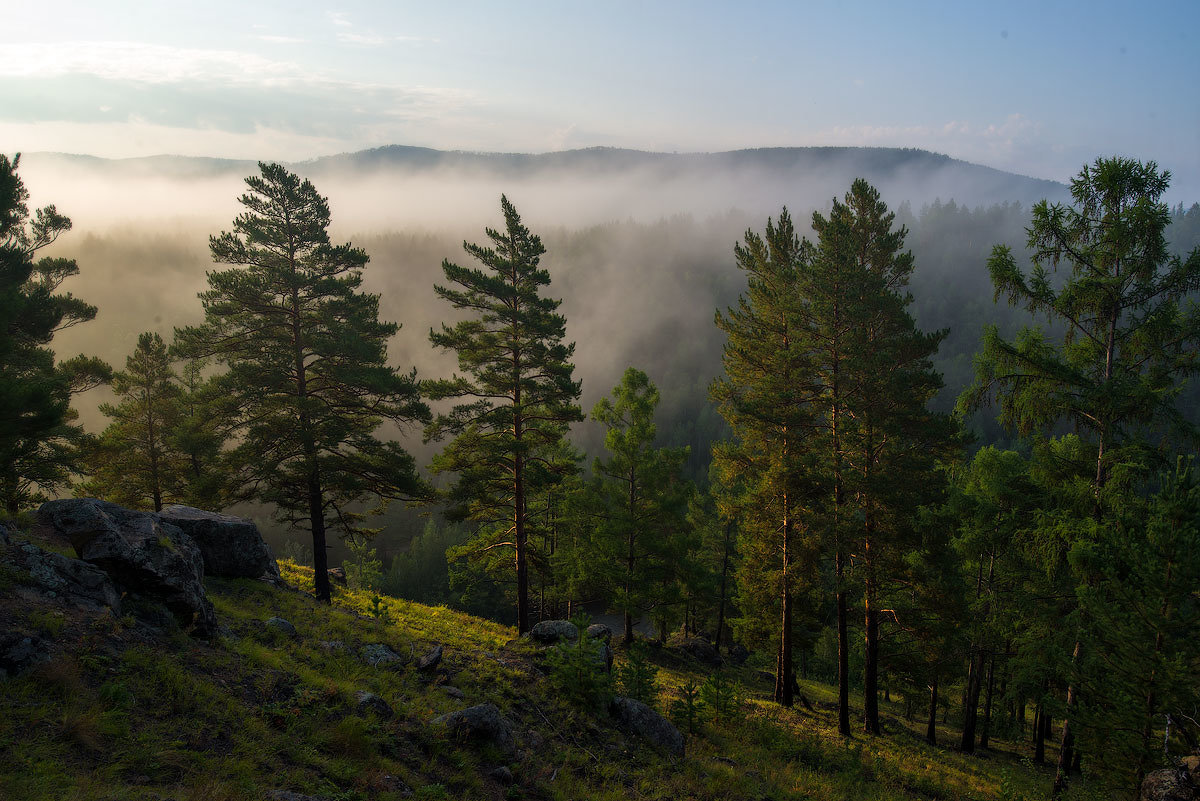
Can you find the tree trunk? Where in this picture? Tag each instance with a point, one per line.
(519, 540)
(931, 729)
(784, 676)
(987, 705)
(1068, 734)
(843, 651)
(316, 512)
(724, 578)
(971, 704)
(871, 661)
(1041, 730)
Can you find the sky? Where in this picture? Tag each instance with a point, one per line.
(1037, 88)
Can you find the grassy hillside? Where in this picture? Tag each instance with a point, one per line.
(133, 708)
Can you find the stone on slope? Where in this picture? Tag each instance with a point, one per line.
(645, 722)
(482, 723)
(549, 632)
(139, 551)
(430, 661)
(1168, 784)
(282, 626)
(600, 631)
(21, 652)
(370, 702)
(379, 655)
(231, 546)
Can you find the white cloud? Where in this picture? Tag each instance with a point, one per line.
(339, 18)
(273, 39)
(146, 63)
(366, 40)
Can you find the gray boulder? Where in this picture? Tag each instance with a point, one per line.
(372, 703)
(21, 652)
(482, 723)
(698, 648)
(599, 631)
(379, 655)
(453, 691)
(549, 632)
(648, 724)
(69, 579)
(231, 546)
(282, 626)
(139, 551)
(430, 661)
(1168, 784)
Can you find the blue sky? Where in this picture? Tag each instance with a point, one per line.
(1036, 88)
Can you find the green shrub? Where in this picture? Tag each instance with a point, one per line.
(636, 676)
(578, 668)
(685, 710)
(719, 697)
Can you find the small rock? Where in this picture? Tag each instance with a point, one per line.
(645, 722)
(453, 691)
(337, 575)
(483, 723)
(430, 661)
(501, 774)
(370, 702)
(726, 761)
(599, 631)
(331, 645)
(1167, 785)
(379, 655)
(394, 784)
(549, 632)
(282, 626)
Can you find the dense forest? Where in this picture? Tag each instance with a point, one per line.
(944, 451)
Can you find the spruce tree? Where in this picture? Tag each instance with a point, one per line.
(642, 498)
(518, 390)
(134, 463)
(308, 383)
(40, 443)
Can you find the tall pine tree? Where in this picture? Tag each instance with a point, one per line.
(308, 383)
(518, 390)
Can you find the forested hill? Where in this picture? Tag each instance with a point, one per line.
(918, 175)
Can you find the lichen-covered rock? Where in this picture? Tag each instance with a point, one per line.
(379, 655)
(1168, 785)
(337, 575)
(482, 723)
(549, 632)
(72, 580)
(231, 546)
(139, 551)
(648, 724)
(371, 703)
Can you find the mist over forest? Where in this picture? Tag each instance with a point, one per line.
(639, 248)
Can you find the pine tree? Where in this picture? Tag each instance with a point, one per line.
(766, 397)
(643, 500)
(1127, 339)
(519, 391)
(134, 463)
(879, 441)
(40, 443)
(308, 383)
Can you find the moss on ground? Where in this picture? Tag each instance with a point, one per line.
(126, 710)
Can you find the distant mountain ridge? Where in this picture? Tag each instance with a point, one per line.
(836, 166)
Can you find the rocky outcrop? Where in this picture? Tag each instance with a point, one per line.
(231, 546)
(548, 632)
(71, 580)
(139, 551)
(599, 631)
(482, 723)
(648, 724)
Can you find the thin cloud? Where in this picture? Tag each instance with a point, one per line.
(362, 39)
(280, 39)
(340, 19)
